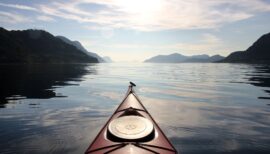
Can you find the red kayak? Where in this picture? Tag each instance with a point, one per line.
(131, 129)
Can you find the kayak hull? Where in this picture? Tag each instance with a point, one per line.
(155, 142)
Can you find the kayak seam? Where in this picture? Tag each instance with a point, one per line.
(138, 145)
(157, 147)
(123, 145)
(110, 146)
(130, 108)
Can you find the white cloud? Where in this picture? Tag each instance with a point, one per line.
(207, 44)
(210, 38)
(12, 18)
(21, 7)
(151, 15)
(45, 18)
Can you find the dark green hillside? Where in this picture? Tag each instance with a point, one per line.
(38, 46)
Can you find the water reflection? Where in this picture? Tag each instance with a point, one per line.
(50, 131)
(261, 78)
(195, 127)
(199, 107)
(41, 122)
(38, 81)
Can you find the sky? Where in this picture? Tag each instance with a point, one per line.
(134, 30)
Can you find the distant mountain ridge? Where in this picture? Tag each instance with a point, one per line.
(79, 46)
(107, 59)
(38, 46)
(258, 52)
(179, 58)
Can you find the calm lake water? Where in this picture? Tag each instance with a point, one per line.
(202, 108)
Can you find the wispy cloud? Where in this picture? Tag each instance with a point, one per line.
(154, 15)
(207, 44)
(149, 15)
(13, 18)
(17, 6)
(45, 18)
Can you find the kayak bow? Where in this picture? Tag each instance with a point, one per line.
(131, 129)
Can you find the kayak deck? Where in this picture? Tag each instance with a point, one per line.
(108, 141)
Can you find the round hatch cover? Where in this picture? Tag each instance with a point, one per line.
(131, 127)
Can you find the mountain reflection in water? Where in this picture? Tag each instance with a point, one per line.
(261, 78)
(202, 108)
(38, 81)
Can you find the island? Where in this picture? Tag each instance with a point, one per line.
(179, 58)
